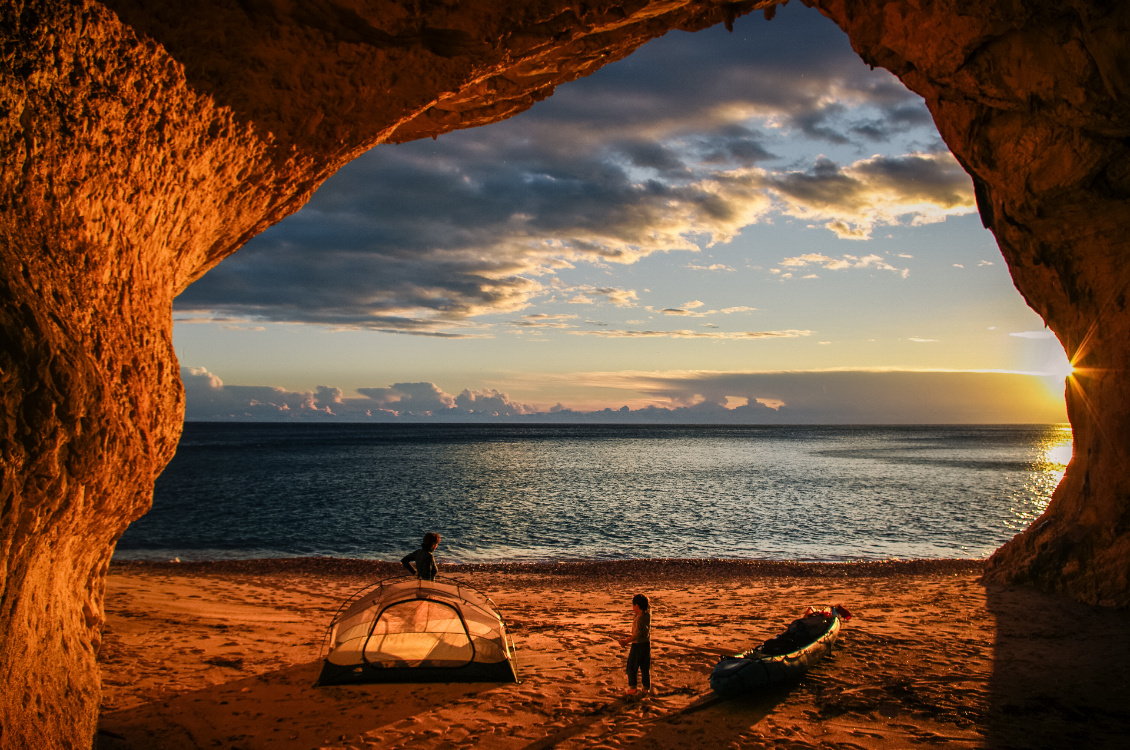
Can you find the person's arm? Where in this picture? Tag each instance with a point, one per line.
(632, 636)
(406, 561)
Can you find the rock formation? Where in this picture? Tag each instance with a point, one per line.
(143, 142)
(1034, 100)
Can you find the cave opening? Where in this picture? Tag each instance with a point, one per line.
(751, 206)
(144, 145)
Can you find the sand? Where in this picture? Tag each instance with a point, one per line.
(225, 655)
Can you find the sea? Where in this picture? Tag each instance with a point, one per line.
(537, 493)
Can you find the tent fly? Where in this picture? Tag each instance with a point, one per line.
(410, 630)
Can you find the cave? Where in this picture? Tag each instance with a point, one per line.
(145, 142)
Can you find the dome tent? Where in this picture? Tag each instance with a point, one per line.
(408, 630)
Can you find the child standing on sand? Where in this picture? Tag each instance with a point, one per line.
(639, 655)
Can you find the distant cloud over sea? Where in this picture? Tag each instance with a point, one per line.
(813, 397)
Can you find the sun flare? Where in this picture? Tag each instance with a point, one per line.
(1063, 369)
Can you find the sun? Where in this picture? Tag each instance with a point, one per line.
(1063, 369)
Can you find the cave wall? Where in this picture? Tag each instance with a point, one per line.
(1034, 101)
(142, 144)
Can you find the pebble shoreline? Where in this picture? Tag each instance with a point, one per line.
(663, 568)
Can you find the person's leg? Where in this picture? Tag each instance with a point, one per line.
(633, 665)
(645, 664)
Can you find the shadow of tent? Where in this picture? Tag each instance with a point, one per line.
(298, 714)
(1061, 673)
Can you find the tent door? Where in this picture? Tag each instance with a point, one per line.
(419, 633)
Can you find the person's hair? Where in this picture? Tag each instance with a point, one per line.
(430, 540)
(640, 600)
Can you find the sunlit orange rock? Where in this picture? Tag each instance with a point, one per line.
(1034, 100)
(143, 142)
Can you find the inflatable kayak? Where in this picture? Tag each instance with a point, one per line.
(783, 658)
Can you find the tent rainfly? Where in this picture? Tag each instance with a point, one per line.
(407, 630)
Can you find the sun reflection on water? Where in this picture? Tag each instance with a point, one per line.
(532, 492)
(1053, 453)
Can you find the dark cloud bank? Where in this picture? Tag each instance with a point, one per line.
(661, 152)
(837, 397)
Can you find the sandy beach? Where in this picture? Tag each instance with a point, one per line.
(225, 655)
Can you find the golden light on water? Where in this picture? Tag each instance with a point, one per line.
(1055, 454)
(1048, 468)
(1058, 455)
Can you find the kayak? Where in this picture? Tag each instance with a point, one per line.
(783, 658)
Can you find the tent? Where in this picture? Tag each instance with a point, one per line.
(407, 630)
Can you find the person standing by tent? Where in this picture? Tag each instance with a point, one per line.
(426, 568)
(639, 655)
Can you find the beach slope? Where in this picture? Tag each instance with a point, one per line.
(225, 654)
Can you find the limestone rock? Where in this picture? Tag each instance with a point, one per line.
(1034, 100)
(143, 142)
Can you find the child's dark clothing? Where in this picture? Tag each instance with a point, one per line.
(426, 567)
(639, 655)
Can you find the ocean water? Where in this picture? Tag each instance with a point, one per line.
(502, 493)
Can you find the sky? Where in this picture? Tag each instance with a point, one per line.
(746, 227)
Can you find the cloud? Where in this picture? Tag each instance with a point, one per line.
(209, 399)
(687, 397)
(652, 155)
(589, 295)
(844, 262)
(1034, 335)
(490, 403)
(687, 308)
(852, 396)
(421, 399)
(684, 334)
(711, 267)
(676, 150)
(691, 309)
(851, 201)
(544, 320)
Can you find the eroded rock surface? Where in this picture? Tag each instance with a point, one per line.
(143, 142)
(1034, 100)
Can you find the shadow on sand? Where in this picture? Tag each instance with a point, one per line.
(287, 699)
(723, 721)
(728, 719)
(1061, 673)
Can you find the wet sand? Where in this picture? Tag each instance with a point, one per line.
(224, 655)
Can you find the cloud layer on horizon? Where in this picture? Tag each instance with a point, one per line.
(676, 149)
(810, 397)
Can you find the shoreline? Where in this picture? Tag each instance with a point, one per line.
(655, 567)
(225, 654)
